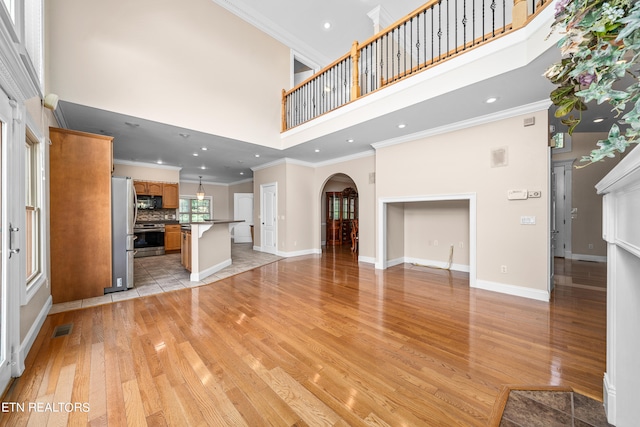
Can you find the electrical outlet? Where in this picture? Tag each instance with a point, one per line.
(503, 269)
(590, 245)
(119, 282)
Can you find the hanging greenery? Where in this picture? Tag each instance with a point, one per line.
(600, 46)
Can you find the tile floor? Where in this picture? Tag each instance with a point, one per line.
(552, 408)
(157, 274)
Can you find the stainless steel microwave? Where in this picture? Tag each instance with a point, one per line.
(149, 202)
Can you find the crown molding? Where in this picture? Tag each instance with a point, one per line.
(350, 157)
(146, 165)
(253, 17)
(464, 124)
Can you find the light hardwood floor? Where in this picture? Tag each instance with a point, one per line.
(312, 341)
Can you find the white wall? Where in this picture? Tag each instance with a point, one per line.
(460, 162)
(190, 63)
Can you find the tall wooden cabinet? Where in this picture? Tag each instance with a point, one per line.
(80, 204)
(342, 211)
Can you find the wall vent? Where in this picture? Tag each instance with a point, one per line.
(62, 330)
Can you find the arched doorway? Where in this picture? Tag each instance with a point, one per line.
(339, 213)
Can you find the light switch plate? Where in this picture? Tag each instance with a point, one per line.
(528, 220)
(517, 194)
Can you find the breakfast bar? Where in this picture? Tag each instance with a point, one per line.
(206, 247)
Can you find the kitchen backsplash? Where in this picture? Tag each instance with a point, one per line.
(156, 215)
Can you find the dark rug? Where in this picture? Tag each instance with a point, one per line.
(547, 406)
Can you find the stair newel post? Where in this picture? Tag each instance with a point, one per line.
(519, 14)
(355, 73)
(284, 110)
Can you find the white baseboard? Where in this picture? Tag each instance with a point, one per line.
(367, 259)
(30, 338)
(609, 395)
(593, 258)
(196, 277)
(438, 264)
(394, 262)
(300, 253)
(518, 291)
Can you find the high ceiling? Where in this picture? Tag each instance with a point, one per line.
(299, 24)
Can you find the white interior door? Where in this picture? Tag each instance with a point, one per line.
(242, 210)
(269, 218)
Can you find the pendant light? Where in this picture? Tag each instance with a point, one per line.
(200, 192)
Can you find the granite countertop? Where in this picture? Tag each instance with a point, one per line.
(160, 221)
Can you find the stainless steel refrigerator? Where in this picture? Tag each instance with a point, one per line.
(123, 218)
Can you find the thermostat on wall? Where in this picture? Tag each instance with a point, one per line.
(517, 194)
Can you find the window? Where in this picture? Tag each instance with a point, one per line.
(33, 201)
(193, 210)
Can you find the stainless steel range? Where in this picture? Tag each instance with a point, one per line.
(149, 239)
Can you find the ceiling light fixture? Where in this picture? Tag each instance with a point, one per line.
(203, 167)
(350, 140)
(317, 150)
(159, 162)
(326, 25)
(195, 154)
(491, 100)
(204, 148)
(598, 120)
(241, 173)
(257, 155)
(200, 192)
(402, 126)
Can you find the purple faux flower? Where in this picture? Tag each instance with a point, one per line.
(560, 7)
(586, 79)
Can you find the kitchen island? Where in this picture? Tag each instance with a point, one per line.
(206, 247)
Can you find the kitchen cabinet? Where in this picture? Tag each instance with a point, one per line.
(80, 214)
(148, 188)
(170, 197)
(172, 237)
(185, 256)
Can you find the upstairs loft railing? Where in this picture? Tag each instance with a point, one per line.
(431, 34)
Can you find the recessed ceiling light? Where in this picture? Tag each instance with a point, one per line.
(491, 100)
(317, 150)
(204, 148)
(195, 154)
(350, 140)
(159, 162)
(184, 135)
(326, 25)
(241, 173)
(257, 155)
(598, 120)
(402, 126)
(203, 167)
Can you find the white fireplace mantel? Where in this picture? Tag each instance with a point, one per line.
(621, 231)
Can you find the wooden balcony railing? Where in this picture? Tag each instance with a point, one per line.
(431, 34)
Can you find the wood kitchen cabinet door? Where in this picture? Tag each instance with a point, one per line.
(172, 237)
(140, 187)
(170, 197)
(80, 214)
(154, 188)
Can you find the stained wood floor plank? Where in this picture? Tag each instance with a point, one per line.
(316, 341)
